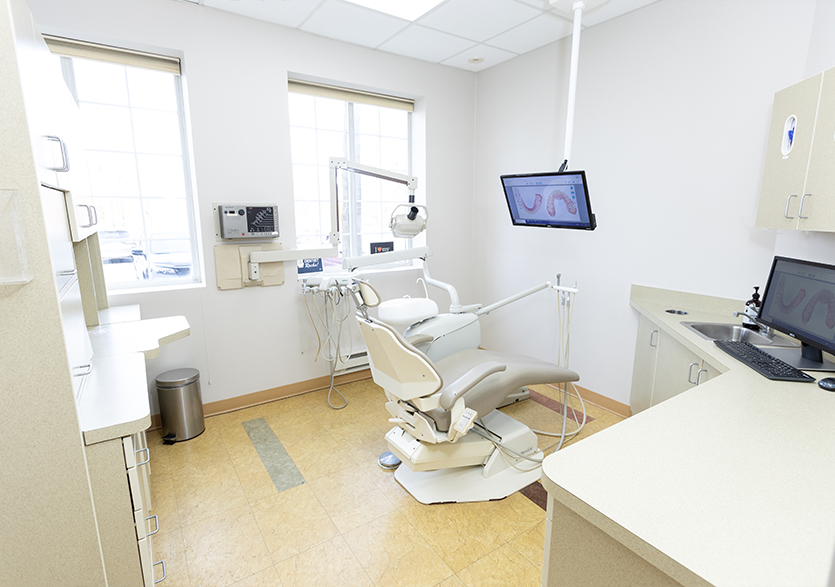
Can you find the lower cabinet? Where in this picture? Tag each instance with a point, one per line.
(663, 367)
(120, 480)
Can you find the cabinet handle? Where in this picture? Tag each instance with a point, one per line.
(92, 215)
(65, 160)
(147, 456)
(67, 273)
(164, 574)
(699, 375)
(156, 522)
(690, 374)
(788, 200)
(87, 369)
(650, 339)
(800, 210)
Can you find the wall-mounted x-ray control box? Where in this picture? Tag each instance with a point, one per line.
(245, 221)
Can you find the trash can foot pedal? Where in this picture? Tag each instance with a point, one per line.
(169, 438)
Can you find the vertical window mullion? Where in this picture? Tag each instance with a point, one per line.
(355, 190)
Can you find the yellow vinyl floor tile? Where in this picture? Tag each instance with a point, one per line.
(223, 523)
(292, 522)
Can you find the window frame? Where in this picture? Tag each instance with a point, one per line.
(150, 58)
(350, 240)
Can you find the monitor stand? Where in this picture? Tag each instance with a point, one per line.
(806, 358)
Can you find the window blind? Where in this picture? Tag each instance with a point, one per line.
(88, 50)
(350, 95)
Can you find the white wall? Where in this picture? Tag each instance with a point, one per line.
(673, 109)
(236, 71)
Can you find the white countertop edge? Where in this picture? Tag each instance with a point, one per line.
(114, 402)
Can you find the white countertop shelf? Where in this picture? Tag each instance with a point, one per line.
(144, 336)
(114, 398)
(732, 480)
(114, 401)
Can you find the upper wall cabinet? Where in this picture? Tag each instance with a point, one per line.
(798, 189)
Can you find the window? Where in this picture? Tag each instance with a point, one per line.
(131, 106)
(375, 130)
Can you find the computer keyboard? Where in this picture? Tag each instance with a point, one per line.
(761, 362)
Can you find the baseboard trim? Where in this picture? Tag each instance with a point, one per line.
(262, 397)
(268, 395)
(601, 401)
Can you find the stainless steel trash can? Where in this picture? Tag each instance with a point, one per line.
(180, 404)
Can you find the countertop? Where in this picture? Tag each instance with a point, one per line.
(114, 398)
(731, 482)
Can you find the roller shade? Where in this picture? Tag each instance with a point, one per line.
(349, 95)
(87, 50)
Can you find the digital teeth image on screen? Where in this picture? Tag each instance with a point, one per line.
(559, 204)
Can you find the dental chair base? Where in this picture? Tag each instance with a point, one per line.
(470, 469)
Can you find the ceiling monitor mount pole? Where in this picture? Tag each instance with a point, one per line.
(577, 7)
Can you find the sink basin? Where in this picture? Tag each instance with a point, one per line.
(716, 331)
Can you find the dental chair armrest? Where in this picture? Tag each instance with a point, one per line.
(467, 381)
(419, 338)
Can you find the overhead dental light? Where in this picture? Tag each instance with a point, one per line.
(407, 225)
(410, 224)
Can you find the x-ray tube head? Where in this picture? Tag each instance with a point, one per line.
(410, 224)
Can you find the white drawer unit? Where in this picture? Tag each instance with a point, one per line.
(119, 475)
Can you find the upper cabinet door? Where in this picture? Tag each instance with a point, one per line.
(818, 199)
(787, 156)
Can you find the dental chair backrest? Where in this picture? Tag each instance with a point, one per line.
(396, 365)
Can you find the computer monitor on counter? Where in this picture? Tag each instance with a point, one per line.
(799, 300)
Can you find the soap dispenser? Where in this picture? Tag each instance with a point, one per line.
(752, 310)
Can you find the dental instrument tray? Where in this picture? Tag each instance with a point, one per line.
(761, 362)
(549, 200)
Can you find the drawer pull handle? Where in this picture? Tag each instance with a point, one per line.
(147, 456)
(156, 523)
(86, 370)
(788, 200)
(690, 374)
(67, 273)
(164, 574)
(92, 215)
(800, 210)
(65, 161)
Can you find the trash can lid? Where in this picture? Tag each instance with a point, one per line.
(177, 377)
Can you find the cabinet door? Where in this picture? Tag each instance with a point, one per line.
(76, 180)
(76, 338)
(785, 170)
(58, 231)
(675, 370)
(643, 369)
(818, 198)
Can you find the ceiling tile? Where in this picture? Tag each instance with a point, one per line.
(533, 34)
(289, 14)
(613, 10)
(478, 20)
(427, 44)
(491, 55)
(354, 24)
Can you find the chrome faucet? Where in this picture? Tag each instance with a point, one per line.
(765, 330)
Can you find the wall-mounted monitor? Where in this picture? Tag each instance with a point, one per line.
(799, 300)
(549, 200)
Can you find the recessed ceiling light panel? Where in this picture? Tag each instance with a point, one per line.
(410, 10)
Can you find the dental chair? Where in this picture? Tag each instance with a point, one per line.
(455, 445)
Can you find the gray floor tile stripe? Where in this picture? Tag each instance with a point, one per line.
(278, 463)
